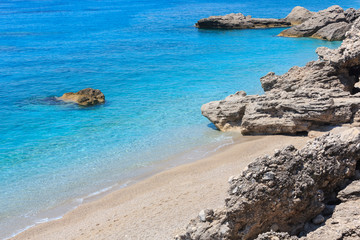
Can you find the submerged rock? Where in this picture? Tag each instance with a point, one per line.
(329, 24)
(321, 93)
(84, 97)
(304, 182)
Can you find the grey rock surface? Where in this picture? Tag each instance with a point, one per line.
(299, 15)
(333, 31)
(304, 182)
(324, 92)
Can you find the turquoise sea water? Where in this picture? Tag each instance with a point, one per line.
(155, 69)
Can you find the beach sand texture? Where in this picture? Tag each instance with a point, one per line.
(162, 205)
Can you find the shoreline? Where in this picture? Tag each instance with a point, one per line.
(169, 198)
(59, 211)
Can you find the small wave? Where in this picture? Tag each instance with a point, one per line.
(99, 192)
(77, 201)
(43, 220)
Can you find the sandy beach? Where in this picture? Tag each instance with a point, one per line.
(161, 206)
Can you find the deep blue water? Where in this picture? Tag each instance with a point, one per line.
(155, 69)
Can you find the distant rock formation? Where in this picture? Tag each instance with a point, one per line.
(85, 97)
(329, 24)
(323, 92)
(239, 21)
(293, 192)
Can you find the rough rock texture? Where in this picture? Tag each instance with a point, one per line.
(298, 15)
(330, 24)
(85, 97)
(321, 93)
(333, 31)
(284, 191)
(239, 21)
(345, 220)
(276, 236)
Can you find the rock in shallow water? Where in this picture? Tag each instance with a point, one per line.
(239, 21)
(85, 97)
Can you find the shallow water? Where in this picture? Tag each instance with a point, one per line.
(155, 69)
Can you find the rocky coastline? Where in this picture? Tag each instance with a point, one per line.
(329, 24)
(310, 193)
(307, 193)
(324, 92)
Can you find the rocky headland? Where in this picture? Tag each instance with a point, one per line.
(329, 24)
(84, 97)
(308, 193)
(324, 92)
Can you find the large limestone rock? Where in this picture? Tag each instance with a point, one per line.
(333, 31)
(286, 192)
(329, 24)
(321, 93)
(239, 21)
(299, 15)
(85, 97)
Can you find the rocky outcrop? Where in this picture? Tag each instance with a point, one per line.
(321, 93)
(284, 192)
(299, 15)
(329, 24)
(85, 97)
(239, 21)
